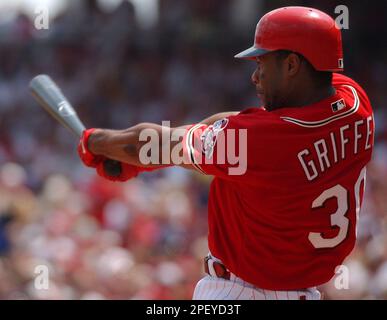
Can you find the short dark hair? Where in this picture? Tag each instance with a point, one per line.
(322, 78)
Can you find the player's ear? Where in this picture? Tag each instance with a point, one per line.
(293, 64)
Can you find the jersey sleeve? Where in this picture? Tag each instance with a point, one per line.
(219, 149)
(340, 80)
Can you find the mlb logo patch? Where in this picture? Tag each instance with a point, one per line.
(341, 63)
(338, 105)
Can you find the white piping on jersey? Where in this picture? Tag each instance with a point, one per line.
(191, 149)
(320, 123)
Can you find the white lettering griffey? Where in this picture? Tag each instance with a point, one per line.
(328, 151)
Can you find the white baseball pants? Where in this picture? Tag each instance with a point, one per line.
(212, 287)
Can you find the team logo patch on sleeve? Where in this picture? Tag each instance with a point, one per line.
(210, 135)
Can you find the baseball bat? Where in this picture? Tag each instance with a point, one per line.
(51, 99)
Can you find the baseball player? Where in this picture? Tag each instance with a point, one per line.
(280, 226)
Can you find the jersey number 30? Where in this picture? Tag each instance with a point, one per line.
(338, 218)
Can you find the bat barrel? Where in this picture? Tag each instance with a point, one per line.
(51, 98)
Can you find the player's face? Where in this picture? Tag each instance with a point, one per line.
(269, 81)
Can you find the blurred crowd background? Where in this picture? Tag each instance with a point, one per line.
(145, 239)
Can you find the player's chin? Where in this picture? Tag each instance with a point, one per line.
(268, 105)
(262, 100)
(260, 97)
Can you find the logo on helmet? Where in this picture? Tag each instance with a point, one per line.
(341, 63)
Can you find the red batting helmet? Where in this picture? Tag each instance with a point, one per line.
(307, 31)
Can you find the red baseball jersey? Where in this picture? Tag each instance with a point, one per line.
(288, 186)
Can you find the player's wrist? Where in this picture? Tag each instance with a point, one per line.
(87, 156)
(95, 141)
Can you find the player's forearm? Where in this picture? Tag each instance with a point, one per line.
(125, 145)
(121, 145)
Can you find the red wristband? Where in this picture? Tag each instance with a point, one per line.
(87, 157)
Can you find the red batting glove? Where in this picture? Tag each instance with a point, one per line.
(87, 157)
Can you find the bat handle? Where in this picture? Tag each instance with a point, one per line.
(112, 167)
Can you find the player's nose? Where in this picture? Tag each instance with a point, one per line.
(255, 77)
